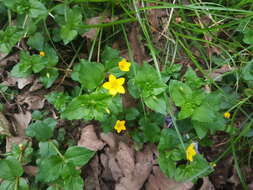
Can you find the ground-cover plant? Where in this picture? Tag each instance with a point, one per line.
(177, 106)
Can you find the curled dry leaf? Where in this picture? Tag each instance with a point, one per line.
(89, 139)
(4, 125)
(34, 102)
(91, 34)
(13, 140)
(158, 181)
(31, 170)
(92, 181)
(20, 82)
(109, 139)
(11, 58)
(125, 158)
(216, 74)
(21, 121)
(207, 185)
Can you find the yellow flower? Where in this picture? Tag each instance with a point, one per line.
(190, 152)
(124, 65)
(227, 115)
(114, 85)
(120, 126)
(42, 53)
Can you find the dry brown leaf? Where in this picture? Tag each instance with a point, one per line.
(4, 125)
(20, 82)
(13, 140)
(31, 170)
(34, 102)
(125, 158)
(216, 74)
(115, 169)
(36, 85)
(92, 33)
(21, 121)
(89, 139)
(109, 139)
(11, 58)
(92, 181)
(158, 181)
(207, 185)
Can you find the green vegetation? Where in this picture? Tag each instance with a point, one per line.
(193, 83)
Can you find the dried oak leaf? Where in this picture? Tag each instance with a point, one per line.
(89, 139)
(34, 102)
(4, 125)
(21, 121)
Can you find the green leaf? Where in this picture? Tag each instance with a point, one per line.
(168, 140)
(79, 155)
(36, 41)
(10, 168)
(110, 57)
(73, 183)
(131, 114)
(59, 100)
(8, 38)
(198, 168)
(203, 114)
(247, 72)
(192, 79)
(180, 92)
(167, 165)
(50, 169)
(11, 185)
(248, 36)
(200, 128)
(48, 76)
(42, 130)
(89, 74)
(88, 107)
(46, 149)
(157, 103)
(37, 9)
(148, 81)
(70, 30)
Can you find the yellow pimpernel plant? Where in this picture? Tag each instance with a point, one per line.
(190, 152)
(115, 85)
(42, 53)
(124, 65)
(120, 126)
(227, 115)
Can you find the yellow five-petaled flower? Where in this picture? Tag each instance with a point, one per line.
(42, 53)
(124, 65)
(120, 126)
(227, 115)
(190, 152)
(114, 85)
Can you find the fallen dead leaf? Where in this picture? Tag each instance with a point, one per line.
(207, 185)
(31, 170)
(20, 82)
(11, 58)
(13, 140)
(125, 158)
(89, 139)
(21, 121)
(216, 74)
(4, 125)
(109, 139)
(34, 102)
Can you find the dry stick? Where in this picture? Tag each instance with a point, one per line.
(168, 23)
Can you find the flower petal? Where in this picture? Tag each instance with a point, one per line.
(107, 85)
(112, 78)
(113, 92)
(121, 81)
(121, 90)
